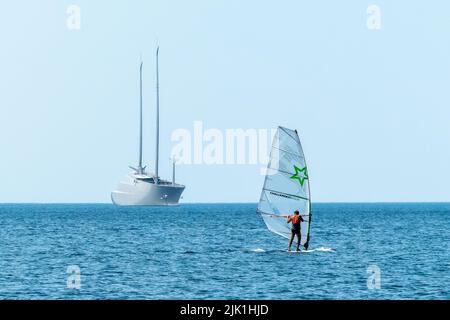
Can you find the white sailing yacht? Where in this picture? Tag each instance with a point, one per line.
(140, 188)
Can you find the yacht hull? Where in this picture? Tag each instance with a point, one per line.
(135, 192)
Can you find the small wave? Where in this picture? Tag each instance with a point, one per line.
(258, 250)
(161, 251)
(321, 249)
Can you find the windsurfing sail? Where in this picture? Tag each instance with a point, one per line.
(286, 186)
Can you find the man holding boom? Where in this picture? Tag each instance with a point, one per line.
(295, 219)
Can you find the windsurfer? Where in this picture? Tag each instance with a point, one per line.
(295, 219)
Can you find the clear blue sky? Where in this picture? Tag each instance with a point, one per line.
(372, 106)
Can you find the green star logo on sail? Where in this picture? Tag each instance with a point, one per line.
(300, 174)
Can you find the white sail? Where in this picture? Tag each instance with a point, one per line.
(286, 186)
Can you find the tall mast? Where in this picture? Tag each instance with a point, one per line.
(140, 169)
(173, 171)
(157, 115)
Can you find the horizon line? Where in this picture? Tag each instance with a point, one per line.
(238, 202)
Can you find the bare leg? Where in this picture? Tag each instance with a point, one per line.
(290, 241)
(298, 241)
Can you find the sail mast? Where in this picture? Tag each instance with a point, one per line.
(309, 202)
(157, 115)
(140, 125)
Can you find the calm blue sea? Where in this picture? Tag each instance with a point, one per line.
(223, 251)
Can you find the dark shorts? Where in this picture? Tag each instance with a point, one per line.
(295, 231)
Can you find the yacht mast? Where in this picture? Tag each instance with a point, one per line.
(157, 116)
(173, 171)
(140, 169)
